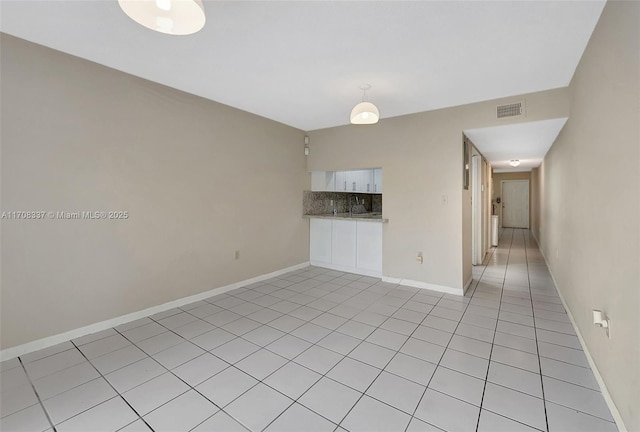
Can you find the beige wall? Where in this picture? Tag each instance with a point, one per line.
(421, 157)
(589, 203)
(199, 180)
(497, 189)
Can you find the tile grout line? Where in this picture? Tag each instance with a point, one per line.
(187, 339)
(331, 331)
(544, 399)
(394, 355)
(33, 387)
(114, 389)
(361, 341)
(230, 365)
(209, 352)
(166, 371)
(169, 370)
(292, 360)
(440, 359)
(312, 344)
(504, 386)
(493, 344)
(310, 321)
(346, 355)
(390, 360)
(495, 330)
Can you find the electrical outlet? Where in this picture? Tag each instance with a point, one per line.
(237, 255)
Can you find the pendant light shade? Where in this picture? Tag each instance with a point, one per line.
(174, 17)
(365, 112)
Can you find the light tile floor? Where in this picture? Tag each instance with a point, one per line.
(321, 350)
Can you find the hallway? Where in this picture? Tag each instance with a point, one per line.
(320, 350)
(536, 356)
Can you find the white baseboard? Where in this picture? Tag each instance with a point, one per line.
(596, 373)
(348, 269)
(424, 285)
(9, 353)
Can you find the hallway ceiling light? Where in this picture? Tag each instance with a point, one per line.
(514, 162)
(365, 112)
(174, 17)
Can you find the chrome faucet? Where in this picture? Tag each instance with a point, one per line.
(351, 203)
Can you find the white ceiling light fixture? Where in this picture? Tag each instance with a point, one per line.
(365, 112)
(514, 162)
(174, 17)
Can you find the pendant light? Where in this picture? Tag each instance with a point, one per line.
(365, 112)
(174, 17)
(514, 162)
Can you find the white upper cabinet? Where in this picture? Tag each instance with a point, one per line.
(360, 181)
(323, 181)
(377, 180)
(341, 181)
(356, 181)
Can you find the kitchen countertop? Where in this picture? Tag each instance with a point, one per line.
(370, 217)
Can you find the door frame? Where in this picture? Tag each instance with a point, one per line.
(477, 251)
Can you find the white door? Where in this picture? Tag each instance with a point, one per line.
(515, 203)
(320, 241)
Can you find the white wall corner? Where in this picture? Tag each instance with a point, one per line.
(9, 353)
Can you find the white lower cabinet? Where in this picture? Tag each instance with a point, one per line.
(351, 246)
(343, 243)
(320, 241)
(369, 246)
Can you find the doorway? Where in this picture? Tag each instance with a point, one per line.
(515, 203)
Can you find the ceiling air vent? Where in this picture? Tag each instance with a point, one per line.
(511, 110)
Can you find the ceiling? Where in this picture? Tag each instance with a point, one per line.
(302, 62)
(526, 142)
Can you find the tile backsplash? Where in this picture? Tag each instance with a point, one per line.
(319, 203)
